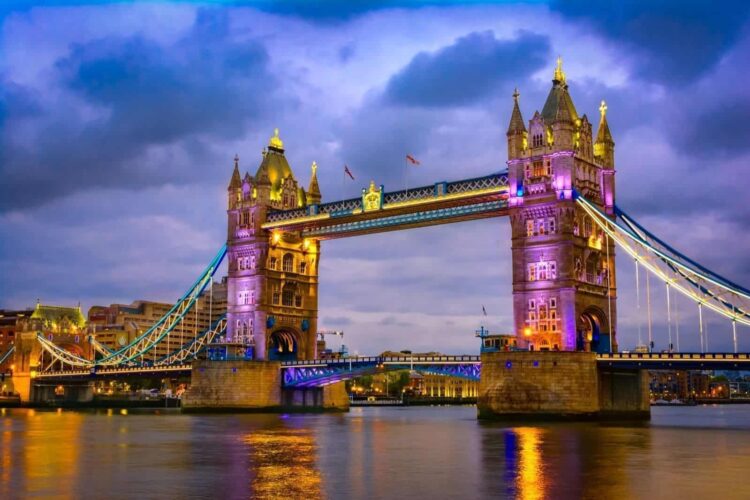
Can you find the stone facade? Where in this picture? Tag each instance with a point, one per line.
(558, 385)
(564, 287)
(272, 284)
(255, 386)
(233, 385)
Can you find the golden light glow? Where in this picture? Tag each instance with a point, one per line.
(527, 331)
(530, 480)
(276, 238)
(32, 374)
(603, 108)
(275, 141)
(559, 73)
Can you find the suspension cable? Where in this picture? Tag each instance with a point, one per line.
(648, 307)
(638, 302)
(734, 334)
(669, 320)
(677, 323)
(700, 325)
(610, 321)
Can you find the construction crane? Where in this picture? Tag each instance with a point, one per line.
(343, 351)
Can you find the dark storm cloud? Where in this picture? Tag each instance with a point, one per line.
(144, 96)
(468, 70)
(719, 130)
(676, 40)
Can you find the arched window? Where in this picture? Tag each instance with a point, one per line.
(252, 262)
(251, 299)
(287, 294)
(302, 267)
(250, 327)
(288, 263)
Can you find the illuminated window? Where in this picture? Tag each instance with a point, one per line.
(541, 229)
(244, 218)
(240, 263)
(541, 271)
(553, 314)
(252, 262)
(532, 316)
(548, 168)
(529, 227)
(527, 171)
(532, 272)
(251, 297)
(288, 263)
(250, 326)
(539, 169)
(552, 225)
(552, 270)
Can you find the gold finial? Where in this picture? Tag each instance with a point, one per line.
(559, 73)
(275, 141)
(516, 95)
(314, 168)
(603, 108)
(236, 161)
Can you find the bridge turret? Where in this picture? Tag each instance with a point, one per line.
(604, 147)
(563, 292)
(313, 191)
(517, 135)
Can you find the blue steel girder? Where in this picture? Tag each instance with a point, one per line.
(318, 373)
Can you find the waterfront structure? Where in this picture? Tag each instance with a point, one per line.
(273, 275)
(564, 288)
(559, 193)
(446, 386)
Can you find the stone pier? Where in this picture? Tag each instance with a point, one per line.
(559, 385)
(255, 386)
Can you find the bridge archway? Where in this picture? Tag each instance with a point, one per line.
(592, 331)
(283, 345)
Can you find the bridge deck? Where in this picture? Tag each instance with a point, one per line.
(440, 203)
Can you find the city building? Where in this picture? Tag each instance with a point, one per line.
(443, 386)
(8, 327)
(116, 325)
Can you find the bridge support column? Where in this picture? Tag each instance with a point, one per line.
(254, 386)
(558, 385)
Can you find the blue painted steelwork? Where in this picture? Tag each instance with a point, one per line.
(405, 219)
(7, 354)
(316, 373)
(675, 361)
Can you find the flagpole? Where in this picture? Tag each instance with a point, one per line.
(406, 183)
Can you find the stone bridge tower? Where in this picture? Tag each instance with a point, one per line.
(272, 292)
(564, 288)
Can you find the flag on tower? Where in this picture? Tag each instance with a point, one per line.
(412, 160)
(348, 172)
(484, 311)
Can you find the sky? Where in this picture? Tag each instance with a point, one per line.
(119, 122)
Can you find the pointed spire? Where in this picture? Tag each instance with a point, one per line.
(313, 191)
(236, 182)
(516, 120)
(603, 135)
(559, 73)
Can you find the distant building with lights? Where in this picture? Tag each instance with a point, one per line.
(8, 329)
(116, 325)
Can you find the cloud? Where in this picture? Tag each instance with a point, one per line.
(675, 41)
(134, 111)
(335, 321)
(467, 71)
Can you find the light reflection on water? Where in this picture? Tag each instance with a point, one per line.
(698, 452)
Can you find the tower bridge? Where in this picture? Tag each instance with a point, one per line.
(558, 194)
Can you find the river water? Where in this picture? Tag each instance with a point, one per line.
(416, 452)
